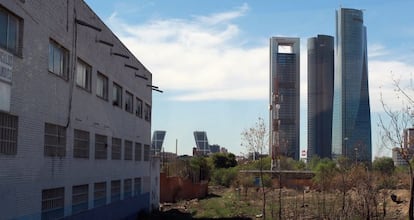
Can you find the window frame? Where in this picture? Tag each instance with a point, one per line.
(139, 107)
(105, 84)
(116, 150)
(78, 137)
(87, 75)
(54, 149)
(9, 128)
(18, 38)
(101, 144)
(63, 71)
(128, 188)
(54, 197)
(137, 186)
(147, 112)
(138, 151)
(115, 190)
(147, 150)
(128, 150)
(99, 194)
(116, 98)
(79, 193)
(129, 102)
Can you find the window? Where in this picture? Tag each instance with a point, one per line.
(83, 75)
(58, 59)
(116, 148)
(117, 95)
(81, 144)
(53, 201)
(79, 198)
(129, 102)
(55, 140)
(147, 112)
(115, 190)
(10, 31)
(127, 188)
(8, 134)
(137, 186)
(138, 152)
(138, 111)
(146, 152)
(128, 150)
(102, 86)
(99, 194)
(101, 144)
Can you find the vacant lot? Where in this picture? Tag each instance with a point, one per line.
(231, 203)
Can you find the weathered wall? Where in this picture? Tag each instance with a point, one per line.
(176, 188)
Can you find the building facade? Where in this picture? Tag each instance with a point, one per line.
(202, 146)
(320, 95)
(351, 131)
(284, 97)
(75, 116)
(157, 141)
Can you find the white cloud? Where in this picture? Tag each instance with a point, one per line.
(202, 56)
(376, 50)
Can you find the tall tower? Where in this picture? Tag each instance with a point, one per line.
(157, 141)
(351, 131)
(203, 148)
(284, 97)
(320, 95)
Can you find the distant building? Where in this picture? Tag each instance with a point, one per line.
(223, 150)
(75, 117)
(409, 138)
(320, 95)
(215, 148)
(284, 97)
(351, 127)
(157, 141)
(203, 148)
(397, 157)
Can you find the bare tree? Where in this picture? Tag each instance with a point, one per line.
(392, 126)
(255, 139)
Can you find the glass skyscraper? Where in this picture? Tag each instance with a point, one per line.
(157, 141)
(351, 128)
(320, 95)
(203, 148)
(284, 97)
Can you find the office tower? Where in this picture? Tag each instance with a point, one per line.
(157, 141)
(320, 95)
(351, 131)
(201, 142)
(284, 97)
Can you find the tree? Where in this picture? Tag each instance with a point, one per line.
(255, 139)
(224, 160)
(392, 126)
(384, 165)
(325, 171)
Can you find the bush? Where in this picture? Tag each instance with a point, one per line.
(224, 177)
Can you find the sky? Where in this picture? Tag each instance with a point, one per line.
(211, 59)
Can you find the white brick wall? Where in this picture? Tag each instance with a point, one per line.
(38, 96)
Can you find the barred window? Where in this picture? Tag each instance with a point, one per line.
(8, 134)
(116, 148)
(128, 150)
(81, 144)
(146, 152)
(101, 144)
(99, 194)
(138, 151)
(53, 203)
(115, 190)
(79, 198)
(137, 186)
(127, 188)
(55, 140)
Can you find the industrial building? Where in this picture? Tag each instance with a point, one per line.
(75, 116)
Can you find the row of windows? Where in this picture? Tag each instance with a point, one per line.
(55, 142)
(53, 200)
(55, 145)
(58, 64)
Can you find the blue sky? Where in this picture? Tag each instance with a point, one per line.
(212, 58)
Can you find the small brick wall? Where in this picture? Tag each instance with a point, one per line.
(176, 188)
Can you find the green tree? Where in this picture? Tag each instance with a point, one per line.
(325, 171)
(224, 160)
(385, 165)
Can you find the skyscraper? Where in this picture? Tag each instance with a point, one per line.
(157, 141)
(351, 131)
(284, 97)
(320, 95)
(203, 148)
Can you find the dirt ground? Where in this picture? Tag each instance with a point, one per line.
(231, 203)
